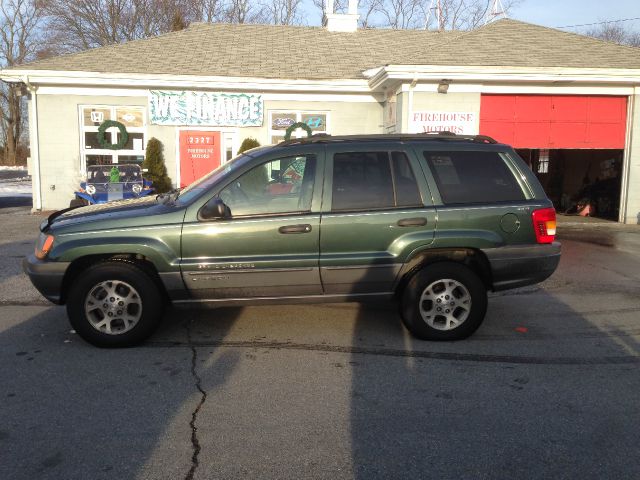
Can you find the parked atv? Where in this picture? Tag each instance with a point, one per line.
(106, 183)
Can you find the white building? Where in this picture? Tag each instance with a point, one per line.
(569, 104)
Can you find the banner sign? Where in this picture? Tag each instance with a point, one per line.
(461, 123)
(204, 108)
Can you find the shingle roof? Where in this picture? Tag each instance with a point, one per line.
(285, 52)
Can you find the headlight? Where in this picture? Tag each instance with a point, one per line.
(43, 247)
(91, 189)
(137, 188)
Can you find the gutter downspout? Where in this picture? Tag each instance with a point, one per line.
(34, 145)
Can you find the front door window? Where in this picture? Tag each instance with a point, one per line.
(277, 187)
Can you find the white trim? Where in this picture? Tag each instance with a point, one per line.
(143, 92)
(94, 92)
(323, 97)
(388, 73)
(453, 88)
(554, 90)
(34, 142)
(527, 89)
(471, 74)
(159, 81)
(626, 159)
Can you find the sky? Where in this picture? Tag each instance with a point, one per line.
(559, 13)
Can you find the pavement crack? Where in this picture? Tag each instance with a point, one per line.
(195, 442)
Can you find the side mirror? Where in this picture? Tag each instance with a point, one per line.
(215, 209)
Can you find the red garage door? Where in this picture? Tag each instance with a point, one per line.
(555, 121)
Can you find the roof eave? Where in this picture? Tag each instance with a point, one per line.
(76, 78)
(391, 74)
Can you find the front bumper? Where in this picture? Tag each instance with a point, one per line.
(520, 265)
(46, 276)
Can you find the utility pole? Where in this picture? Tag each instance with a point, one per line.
(496, 12)
(435, 8)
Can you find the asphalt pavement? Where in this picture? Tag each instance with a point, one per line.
(547, 388)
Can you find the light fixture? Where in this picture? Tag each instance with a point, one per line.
(443, 87)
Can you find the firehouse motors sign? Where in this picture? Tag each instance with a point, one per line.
(204, 108)
(461, 123)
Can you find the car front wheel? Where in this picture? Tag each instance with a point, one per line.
(444, 301)
(114, 304)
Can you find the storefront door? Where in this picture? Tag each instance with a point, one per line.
(200, 153)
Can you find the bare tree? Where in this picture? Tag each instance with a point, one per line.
(283, 12)
(408, 14)
(339, 6)
(401, 14)
(18, 44)
(245, 11)
(617, 33)
(367, 10)
(80, 24)
(209, 11)
(461, 14)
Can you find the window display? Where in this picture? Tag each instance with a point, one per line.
(131, 117)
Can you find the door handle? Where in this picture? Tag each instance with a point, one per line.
(412, 222)
(306, 228)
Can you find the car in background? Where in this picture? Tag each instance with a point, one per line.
(106, 183)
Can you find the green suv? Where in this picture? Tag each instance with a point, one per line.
(434, 221)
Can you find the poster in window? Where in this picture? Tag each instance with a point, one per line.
(130, 116)
(282, 121)
(199, 154)
(315, 121)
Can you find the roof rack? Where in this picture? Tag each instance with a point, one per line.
(435, 136)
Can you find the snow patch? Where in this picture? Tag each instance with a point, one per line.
(7, 167)
(15, 182)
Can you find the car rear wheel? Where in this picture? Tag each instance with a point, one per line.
(114, 304)
(444, 301)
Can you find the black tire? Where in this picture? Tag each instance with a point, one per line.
(126, 279)
(431, 275)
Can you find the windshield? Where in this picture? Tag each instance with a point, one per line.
(194, 190)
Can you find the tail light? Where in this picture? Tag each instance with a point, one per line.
(544, 224)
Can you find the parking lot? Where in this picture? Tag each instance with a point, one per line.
(547, 388)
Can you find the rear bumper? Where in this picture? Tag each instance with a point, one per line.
(46, 276)
(520, 265)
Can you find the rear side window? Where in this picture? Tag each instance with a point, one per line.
(407, 193)
(473, 177)
(373, 180)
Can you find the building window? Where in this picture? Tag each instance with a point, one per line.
(132, 117)
(280, 120)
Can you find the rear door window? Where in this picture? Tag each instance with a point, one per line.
(473, 177)
(407, 193)
(373, 180)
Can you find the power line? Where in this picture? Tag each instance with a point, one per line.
(601, 23)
